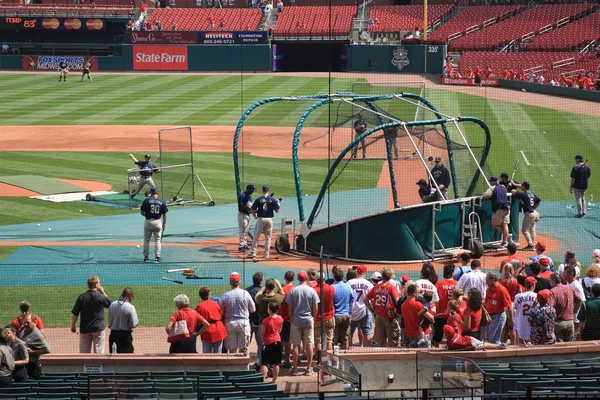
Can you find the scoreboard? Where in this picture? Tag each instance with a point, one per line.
(50, 24)
(19, 23)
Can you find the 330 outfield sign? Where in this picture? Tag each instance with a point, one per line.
(160, 58)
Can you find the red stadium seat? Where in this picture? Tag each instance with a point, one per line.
(299, 21)
(404, 18)
(578, 33)
(198, 19)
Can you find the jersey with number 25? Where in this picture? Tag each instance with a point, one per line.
(154, 207)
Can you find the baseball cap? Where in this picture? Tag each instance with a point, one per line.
(147, 156)
(217, 299)
(579, 157)
(376, 276)
(234, 277)
(526, 184)
(362, 269)
(541, 246)
(251, 187)
(494, 179)
(504, 175)
(438, 159)
(154, 190)
(421, 182)
(302, 275)
(265, 188)
(542, 296)
(545, 261)
(512, 247)
(530, 281)
(405, 278)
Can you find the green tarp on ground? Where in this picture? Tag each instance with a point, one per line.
(41, 184)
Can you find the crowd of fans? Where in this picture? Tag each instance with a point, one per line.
(531, 302)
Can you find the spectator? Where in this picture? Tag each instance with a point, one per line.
(474, 279)
(534, 269)
(327, 302)
(426, 314)
(90, 305)
(545, 268)
(122, 319)
(428, 280)
(270, 331)
(411, 309)
(5, 48)
(376, 278)
(522, 304)
(499, 305)
(302, 305)
(360, 316)
(596, 257)
(7, 363)
(541, 319)
(471, 318)
(458, 295)
(570, 260)
(592, 276)
(236, 306)
(465, 265)
(456, 341)
(509, 282)
(25, 308)
(566, 302)
(209, 309)
(148, 25)
(570, 279)
(183, 327)
(211, 22)
(36, 346)
(222, 24)
(511, 252)
(272, 292)
(540, 249)
(285, 314)
(159, 25)
(254, 319)
(444, 288)
(268, 9)
(589, 316)
(143, 9)
(173, 26)
(342, 301)
(501, 208)
(19, 352)
(381, 300)
(279, 7)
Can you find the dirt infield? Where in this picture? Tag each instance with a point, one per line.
(7, 190)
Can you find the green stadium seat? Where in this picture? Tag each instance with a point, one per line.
(524, 364)
(266, 393)
(246, 378)
(204, 373)
(158, 381)
(557, 362)
(174, 388)
(256, 387)
(544, 376)
(179, 372)
(16, 390)
(50, 395)
(494, 369)
(135, 389)
(212, 385)
(554, 368)
(238, 372)
(47, 380)
(216, 389)
(538, 371)
(521, 385)
(125, 381)
(575, 370)
(591, 359)
(131, 373)
(224, 395)
(16, 396)
(492, 381)
(575, 382)
(54, 389)
(508, 383)
(177, 396)
(488, 364)
(581, 376)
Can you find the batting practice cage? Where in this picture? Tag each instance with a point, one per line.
(354, 191)
(175, 176)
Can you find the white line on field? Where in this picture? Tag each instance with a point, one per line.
(525, 158)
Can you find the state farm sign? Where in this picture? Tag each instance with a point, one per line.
(160, 58)
(469, 81)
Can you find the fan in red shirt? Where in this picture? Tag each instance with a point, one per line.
(284, 312)
(382, 300)
(185, 342)
(522, 74)
(211, 22)
(456, 341)
(506, 74)
(487, 72)
(410, 314)
(328, 314)
(581, 81)
(499, 305)
(545, 264)
(444, 288)
(25, 308)
(509, 281)
(212, 338)
(511, 251)
(143, 7)
(470, 72)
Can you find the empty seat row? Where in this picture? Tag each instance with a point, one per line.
(201, 19)
(315, 21)
(404, 18)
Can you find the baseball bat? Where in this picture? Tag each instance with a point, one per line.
(515, 169)
(586, 160)
(202, 277)
(176, 270)
(173, 280)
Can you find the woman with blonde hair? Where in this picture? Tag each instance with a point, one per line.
(508, 280)
(592, 276)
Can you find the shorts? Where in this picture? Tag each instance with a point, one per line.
(501, 217)
(238, 337)
(365, 324)
(329, 327)
(477, 80)
(303, 334)
(341, 331)
(271, 354)
(438, 329)
(387, 332)
(285, 332)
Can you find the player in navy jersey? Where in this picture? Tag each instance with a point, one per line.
(63, 70)
(360, 127)
(501, 208)
(244, 211)
(580, 174)
(441, 176)
(147, 169)
(86, 71)
(153, 209)
(263, 210)
(529, 204)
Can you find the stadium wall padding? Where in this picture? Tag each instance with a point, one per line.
(593, 95)
(384, 58)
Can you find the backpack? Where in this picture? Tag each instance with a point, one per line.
(462, 272)
(586, 291)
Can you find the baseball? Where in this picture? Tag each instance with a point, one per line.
(523, 90)
(138, 246)
(80, 211)
(306, 194)
(49, 229)
(551, 176)
(544, 133)
(39, 224)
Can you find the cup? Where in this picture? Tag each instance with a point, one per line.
(336, 350)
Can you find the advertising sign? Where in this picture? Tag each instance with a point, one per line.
(162, 37)
(470, 81)
(50, 63)
(52, 24)
(224, 37)
(160, 58)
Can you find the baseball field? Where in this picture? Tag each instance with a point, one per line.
(85, 131)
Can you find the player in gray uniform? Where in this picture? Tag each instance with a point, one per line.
(153, 209)
(262, 210)
(147, 169)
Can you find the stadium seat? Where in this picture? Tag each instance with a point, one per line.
(507, 383)
(256, 387)
(15, 391)
(174, 388)
(246, 378)
(50, 395)
(524, 364)
(203, 373)
(575, 370)
(265, 393)
(159, 381)
(180, 373)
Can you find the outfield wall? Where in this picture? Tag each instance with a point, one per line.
(553, 90)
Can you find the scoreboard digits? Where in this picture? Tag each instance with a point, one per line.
(18, 23)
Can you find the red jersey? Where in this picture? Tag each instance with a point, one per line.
(545, 274)
(475, 319)
(568, 82)
(497, 299)
(507, 260)
(462, 306)
(211, 21)
(210, 311)
(192, 319)
(453, 322)
(444, 289)
(582, 82)
(383, 298)
(271, 326)
(511, 75)
(284, 308)
(143, 7)
(329, 310)
(470, 73)
(477, 72)
(18, 322)
(506, 75)
(512, 286)
(488, 72)
(410, 311)
(459, 342)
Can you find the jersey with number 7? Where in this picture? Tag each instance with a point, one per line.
(360, 287)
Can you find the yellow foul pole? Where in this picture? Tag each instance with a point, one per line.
(425, 20)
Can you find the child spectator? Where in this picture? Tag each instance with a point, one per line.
(270, 335)
(426, 313)
(455, 341)
(279, 7)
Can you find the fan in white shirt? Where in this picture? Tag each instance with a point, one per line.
(474, 279)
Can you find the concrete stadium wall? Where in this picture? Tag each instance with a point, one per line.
(553, 90)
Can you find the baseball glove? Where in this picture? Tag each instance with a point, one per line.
(189, 271)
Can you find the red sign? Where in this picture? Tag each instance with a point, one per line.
(160, 58)
(470, 81)
(50, 63)
(162, 37)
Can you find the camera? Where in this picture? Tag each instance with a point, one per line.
(452, 313)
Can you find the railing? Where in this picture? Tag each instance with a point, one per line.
(505, 48)
(546, 28)
(489, 22)
(472, 29)
(563, 63)
(589, 46)
(454, 36)
(536, 70)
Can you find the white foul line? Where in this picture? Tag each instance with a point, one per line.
(525, 158)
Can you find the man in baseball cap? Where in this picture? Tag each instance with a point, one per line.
(580, 174)
(542, 319)
(427, 194)
(508, 183)
(236, 306)
(540, 249)
(360, 316)
(243, 216)
(501, 208)
(529, 203)
(145, 169)
(441, 176)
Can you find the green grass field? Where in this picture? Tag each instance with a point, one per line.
(543, 139)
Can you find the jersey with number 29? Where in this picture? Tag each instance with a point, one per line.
(360, 288)
(153, 207)
(522, 304)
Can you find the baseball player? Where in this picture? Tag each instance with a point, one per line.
(86, 71)
(501, 208)
(426, 193)
(153, 209)
(147, 169)
(441, 176)
(244, 211)
(262, 210)
(63, 70)
(508, 183)
(580, 174)
(522, 304)
(360, 127)
(392, 135)
(529, 204)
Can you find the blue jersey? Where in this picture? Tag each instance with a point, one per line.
(499, 199)
(154, 208)
(62, 65)
(147, 167)
(265, 206)
(243, 200)
(581, 173)
(358, 126)
(529, 201)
